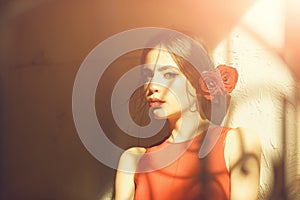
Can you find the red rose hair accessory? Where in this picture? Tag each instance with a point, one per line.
(218, 82)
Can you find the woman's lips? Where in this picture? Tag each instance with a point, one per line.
(154, 102)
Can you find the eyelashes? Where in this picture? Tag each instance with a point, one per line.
(170, 75)
(148, 75)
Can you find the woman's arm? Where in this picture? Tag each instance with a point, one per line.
(243, 151)
(124, 183)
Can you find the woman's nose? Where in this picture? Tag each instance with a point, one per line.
(152, 88)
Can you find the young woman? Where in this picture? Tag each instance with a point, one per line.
(200, 159)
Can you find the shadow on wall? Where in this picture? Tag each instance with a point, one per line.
(283, 167)
(284, 170)
(286, 180)
(2, 130)
(46, 157)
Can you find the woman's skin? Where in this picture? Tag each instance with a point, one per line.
(171, 96)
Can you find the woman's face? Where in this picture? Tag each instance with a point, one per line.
(168, 91)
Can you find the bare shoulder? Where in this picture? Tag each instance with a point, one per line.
(242, 143)
(243, 151)
(243, 138)
(124, 183)
(130, 158)
(135, 150)
(133, 153)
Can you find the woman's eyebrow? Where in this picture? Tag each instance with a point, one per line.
(163, 68)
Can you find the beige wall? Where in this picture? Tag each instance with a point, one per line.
(265, 99)
(43, 44)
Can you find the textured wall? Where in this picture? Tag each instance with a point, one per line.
(43, 44)
(266, 97)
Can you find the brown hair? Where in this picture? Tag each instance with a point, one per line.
(187, 44)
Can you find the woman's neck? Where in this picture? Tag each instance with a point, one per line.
(186, 127)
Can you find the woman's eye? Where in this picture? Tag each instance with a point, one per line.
(170, 75)
(147, 74)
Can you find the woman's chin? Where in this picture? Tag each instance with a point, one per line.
(159, 113)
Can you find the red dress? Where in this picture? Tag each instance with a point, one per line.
(175, 171)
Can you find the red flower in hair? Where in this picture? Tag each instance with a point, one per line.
(218, 82)
(229, 76)
(211, 84)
